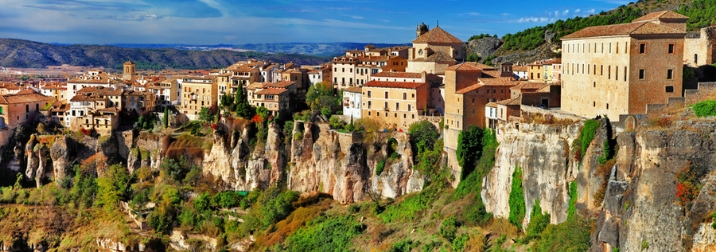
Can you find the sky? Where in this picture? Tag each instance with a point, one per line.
(211, 22)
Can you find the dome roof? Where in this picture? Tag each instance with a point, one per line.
(423, 27)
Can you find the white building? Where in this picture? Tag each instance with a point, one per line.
(352, 98)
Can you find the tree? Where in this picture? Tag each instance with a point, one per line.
(243, 108)
(165, 120)
(263, 113)
(112, 187)
(205, 115)
(423, 135)
(469, 149)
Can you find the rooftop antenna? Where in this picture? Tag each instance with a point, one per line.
(438, 23)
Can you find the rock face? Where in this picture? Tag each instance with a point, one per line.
(342, 165)
(542, 152)
(147, 152)
(641, 208)
(483, 47)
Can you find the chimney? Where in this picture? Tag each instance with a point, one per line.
(506, 70)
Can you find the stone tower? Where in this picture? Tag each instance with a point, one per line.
(422, 29)
(129, 69)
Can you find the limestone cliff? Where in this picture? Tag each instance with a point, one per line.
(344, 166)
(542, 152)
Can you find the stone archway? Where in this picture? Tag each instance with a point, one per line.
(630, 123)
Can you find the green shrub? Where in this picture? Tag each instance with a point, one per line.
(379, 167)
(226, 199)
(572, 208)
(705, 108)
(403, 246)
(459, 243)
(517, 199)
(538, 222)
(587, 134)
(469, 148)
(448, 229)
(325, 233)
(411, 206)
(571, 235)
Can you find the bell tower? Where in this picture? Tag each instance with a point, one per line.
(422, 29)
(129, 69)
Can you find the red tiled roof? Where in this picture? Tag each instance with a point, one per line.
(271, 91)
(437, 35)
(281, 84)
(492, 78)
(353, 89)
(23, 98)
(660, 15)
(470, 66)
(393, 84)
(623, 29)
(398, 75)
(511, 102)
(469, 89)
(438, 56)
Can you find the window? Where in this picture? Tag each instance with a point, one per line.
(594, 104)
(616, 73)
(409, 107)
(601, 70)
(642, 48)
(607, 105)
(405, 96)
(609, 72)
(696, 59)
(670, 74)
(368, 94)
(625, 73)
(669, 89)
(671, 48)
(369, 103)
(595, 84)
(397, 106)
(386, 95)
(641, 74)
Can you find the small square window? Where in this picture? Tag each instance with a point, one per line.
(642, 48)
(671, 48)
(641, 74)
(669, 89)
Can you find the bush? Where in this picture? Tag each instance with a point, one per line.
(469, 148)
(567, 236)
(226, 199)
(705, 108)
(403, 246)
(572, 208)
(448, 229)
(423, 135)
(379, 167)
(538, 222)
(517, 199)
(587, 134)
(459, 243)
(325, 233)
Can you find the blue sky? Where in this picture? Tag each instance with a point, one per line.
(272, 21)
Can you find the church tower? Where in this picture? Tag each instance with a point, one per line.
(422, 29)
(129, 69)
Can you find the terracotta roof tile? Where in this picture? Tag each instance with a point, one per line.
(24, 98)
(623, 29)
(437, 35)
(470, 66)
(493, 78)
(438, 56)
(660, 15)
(469, 89)
(393, 84)
(511, 102)
(353, 89)
(280, 84)
(397, 75)
(271, 91)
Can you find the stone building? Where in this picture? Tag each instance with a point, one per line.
(16, 109)
(699, 47)
(198, 93)
(129, 70)
(434, 50)
(618, 69)
(397, 101)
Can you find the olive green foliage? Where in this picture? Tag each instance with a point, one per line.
(379, 168)
(533, 37)
(241, 104)
(608, 145)
(423, 135)
(448, 229)
(165, 119)
(705, 108)
(476, 214)
(538, 222)
(689, 75)
(701, 13)
(412, 205)
(226, 199)
(270, 207)
(481, 36)
(469, 149)
(112, 187)
(570, 235)
(517, 199)
(176, 170)
(473, 57)
(336, 123)
(84, 187)
(572, 208)
(587, 134)
(320, 97)
(263, 113)
(325, 233)
(403, 246)
(458, 244)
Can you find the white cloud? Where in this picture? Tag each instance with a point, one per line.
(566, 12)
(473, 14)
(577, 10)
(532, 20)
(591, 11)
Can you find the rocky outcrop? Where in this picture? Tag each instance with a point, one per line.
(483, 47)
(641, 208)
(542, 152)
(342, 165)
(148, 151)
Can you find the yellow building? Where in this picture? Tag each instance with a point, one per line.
(397, 101)
(198, 93)
(618, 69)
(434, 50)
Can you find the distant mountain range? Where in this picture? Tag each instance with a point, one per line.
(315, 49)
(30, 54)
